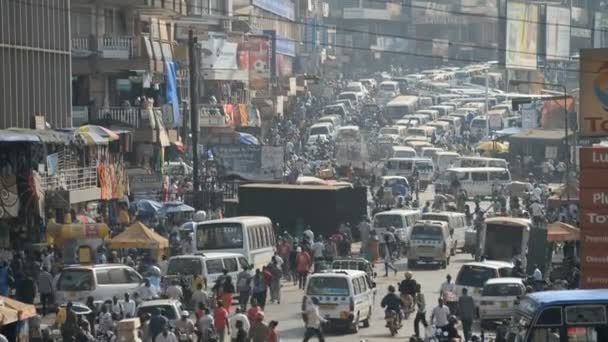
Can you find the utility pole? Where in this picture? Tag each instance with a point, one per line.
(194, 124)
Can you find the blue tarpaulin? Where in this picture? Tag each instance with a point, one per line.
(248, 139)
(171, 92)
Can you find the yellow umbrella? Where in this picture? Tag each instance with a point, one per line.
(492, 147)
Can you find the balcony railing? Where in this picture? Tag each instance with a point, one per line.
(81, 43)
(81, 178)
(210, 117)
(119, 47)
(127, 115)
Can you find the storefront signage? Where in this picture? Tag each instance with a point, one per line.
(593, 113)
(286, 46)
(218, 53)
(281, 8)
(145, 182)
(240, 159)
(594, 217)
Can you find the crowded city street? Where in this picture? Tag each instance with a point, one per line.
(303, 170)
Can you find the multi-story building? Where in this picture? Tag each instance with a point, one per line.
(35, 62)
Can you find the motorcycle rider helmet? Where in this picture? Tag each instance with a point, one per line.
(185, 314)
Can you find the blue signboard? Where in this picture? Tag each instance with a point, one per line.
(286, 46)
(281, 8)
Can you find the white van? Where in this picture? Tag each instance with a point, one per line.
(441, 127)
(481, 162)
(473, 276)
(335, 120)
(77, 283)
(348, 133)
(400, 106)
(346, 298)
(457, 223)
(208, 266)
(430, 152)
(403, 152)
(444, 160)
(355, 97)
(430, 242)
(455, 123)
(407, 123)
(443, 110)
(324, 129)
(432, 114)
(476, 181)
(405, 166)
(403, 220)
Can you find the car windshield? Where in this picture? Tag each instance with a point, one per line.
(75, 280)
(498, 290)
(385, 221)
(416, 132)
(426, 233)
(219, 236)
(475, 276)
(405, 154)
(184, 266)
(424, 167)
(321, 130)
(479, 123)
(435, 217)
(353, 88)
(166, 310)
(328, 286)
(333, 110)
(348, 97)
(387, 87)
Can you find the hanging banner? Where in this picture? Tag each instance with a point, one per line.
(522, 36)
(259, 62)
(218, 53)
(558, 33)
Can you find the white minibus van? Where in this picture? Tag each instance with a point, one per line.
(476, 181)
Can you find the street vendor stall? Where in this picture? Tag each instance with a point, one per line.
(15, 319)
(139, 236)
(79, 241)
(560, 232)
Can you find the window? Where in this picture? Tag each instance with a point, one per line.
(385, 221)
(133, 277)
(75, 280)
(430, 233)
(500, 290)
(103, 277)
(265, 237)
(219, 236)
(327, 286)
(546, 335)
(357, 286)
(479, 176)
(185, 266)
(243, 263)
(231, 264)
(214, 266)
(550, 317)
(363, 284)
(118, 276)
(588, 334)
(586, 314)
(499, 175)
(474, 276)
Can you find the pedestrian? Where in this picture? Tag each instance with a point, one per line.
(25, 290)
(158, 322)
(199, 297)
(5, 279)
(115, 308)
(238, 316)
(243, 285)
(45, 289)
(166, 335)
(273, 334)
(259, 331)
(128, 306)
(440, 315)
(228, 293)
(92, 316)
(313, 320)
(303, 263)
(388, 257)
(147, 292)
(206, 326)
(420, 303)
(241, 334)
(69, 328)
(318, 248)
(537, 276)
(275, 282)
(145, 327)
(253, 311)
(220, 320)
(184, 325)
(174, 291)
(106, 323)
(259, 289)
(466, 311)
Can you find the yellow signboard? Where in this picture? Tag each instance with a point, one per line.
(593, 112)
(522, 36)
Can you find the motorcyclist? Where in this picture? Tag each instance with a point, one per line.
(392, 302)
(447, 286)
(518, 270)
(452, 329)
(408, 285)
(184, 327)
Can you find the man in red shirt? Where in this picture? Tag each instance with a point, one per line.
(220, 321)
(303, 263)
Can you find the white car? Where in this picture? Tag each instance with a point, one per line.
(498, 298)
(473, 276)
(169, 308)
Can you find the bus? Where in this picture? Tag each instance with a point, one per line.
(573, 315)
(476, 181)
(400, 106)
(251, 236)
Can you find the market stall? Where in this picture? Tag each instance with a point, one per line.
(15, 319)
(139, 236)
(79, 241)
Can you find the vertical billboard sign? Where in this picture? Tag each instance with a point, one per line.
(594, 217)
(593, 108)
(522, 36)
(558, 33)
(259, 62)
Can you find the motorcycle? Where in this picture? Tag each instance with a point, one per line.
(439, 335)
(393, 322)
(183, 337)
(408, 305)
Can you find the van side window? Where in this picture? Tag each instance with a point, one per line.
(356, 286)
(251, 238)
(118, 276)
(230, 264)
(103, 278)
(266, 236)
(214, 266)
(133, 277)
(550, 317)
(479, 176)
(243, 263)
(363, 284)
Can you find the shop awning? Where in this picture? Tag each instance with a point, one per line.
(12, 311)
(560, 231)
(45, 136)
(96, 135)
(138, 235)
(10, 136)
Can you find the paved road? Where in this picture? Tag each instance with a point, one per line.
(290, 320)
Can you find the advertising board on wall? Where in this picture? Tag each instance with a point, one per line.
(259, 62)
(594, 217)
(522, 36)
(558, 33)
(218, 53)
(593, 110)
